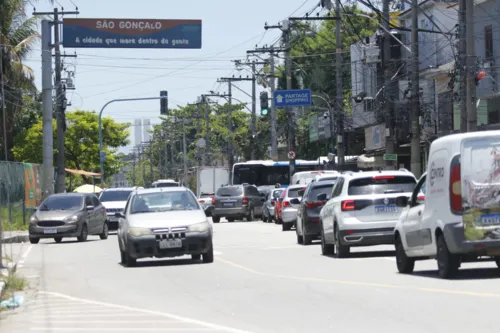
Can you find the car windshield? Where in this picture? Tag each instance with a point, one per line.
(381, 185)
(62, 203)
(230, 191)
(163, 201)
(115, 195)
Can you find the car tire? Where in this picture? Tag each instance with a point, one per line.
(251, 215)
(58, 239)
(230, 219)
(341, 251)
(326, 249)
(129, 261)
(448, 263)
(404, 263)
(84, 234)
(196, 256)
(215, 219)
(34, 240)
(105, 230)
(497, 260)
(208, 257)
(286, 226)
(123, 258)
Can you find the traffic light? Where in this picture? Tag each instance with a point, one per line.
(164, 103)
(264, 104)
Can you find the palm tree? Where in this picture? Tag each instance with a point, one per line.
(18, 36)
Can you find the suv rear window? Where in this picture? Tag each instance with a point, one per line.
(315, 191)
(381, 185)
(294, 192)
(230, 191)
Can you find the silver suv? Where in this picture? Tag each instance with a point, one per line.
(237, 202)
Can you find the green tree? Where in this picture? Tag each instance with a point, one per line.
(81, 143)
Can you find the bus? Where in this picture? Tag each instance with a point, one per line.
(268, 172)
(165, 183)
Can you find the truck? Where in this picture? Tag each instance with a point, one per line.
(211, 178)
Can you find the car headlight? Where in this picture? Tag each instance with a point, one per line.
(199, 227)
(71, 219)
(33, 219)
(137, 232)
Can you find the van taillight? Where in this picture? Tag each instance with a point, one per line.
(455, 186)
(348, 205)
(213, 201)
(244, 202)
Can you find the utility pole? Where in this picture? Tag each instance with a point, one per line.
(4, 127)
(338, 83)
(415, 93)
(184, 151)
(462, 63)
(471, 68)
(254, 110)
(48, 158)
(133, 168)
(141, 163)
(151, 161)
(387, 68)
(204, 100)
(60, 100)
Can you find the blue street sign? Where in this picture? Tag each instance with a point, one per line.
(132, 33)
(299, 97)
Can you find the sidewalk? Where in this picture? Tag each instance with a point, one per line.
(15, 237)
(13, 254)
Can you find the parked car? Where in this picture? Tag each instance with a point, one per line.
(114, 200)
(305, 177)
(237, 202)
(269, 205)
(453, 214)
(362, 210)
(289, 205)
(314, 197)
(164, 222)
(67, 215)
(207, 202)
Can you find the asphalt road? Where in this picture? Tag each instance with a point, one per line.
(261, 281)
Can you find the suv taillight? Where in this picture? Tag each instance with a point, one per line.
(314, 204)
(286, 204)
(348, 205)
(244, 202)
(455, 186)
(213, 201)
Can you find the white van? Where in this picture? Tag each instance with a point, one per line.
(453, 214)
(305, 177)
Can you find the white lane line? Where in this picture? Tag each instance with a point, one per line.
(87, 322)
(83, 315)
(217, 253)
(77, 310)
(157, 313)
(24, 256)
(124, 329)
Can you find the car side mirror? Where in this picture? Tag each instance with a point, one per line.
(90, 207)
(402, 201)
(295, 201)
(119, 215)
(301, 192)
(322, 197)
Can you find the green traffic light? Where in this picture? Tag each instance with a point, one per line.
(263, 112)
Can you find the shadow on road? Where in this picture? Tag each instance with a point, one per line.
(464, 274)
(368, 254)
(72, 241)
(166, 262)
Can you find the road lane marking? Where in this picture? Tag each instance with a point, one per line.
(86, 322)
(217, 253)
(358, 283)
(124, 329)
(205, 324)
(24, 256)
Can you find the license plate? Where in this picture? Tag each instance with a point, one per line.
(386, 209)
(228, 204)
(170, 243)
(50, 231)
(490, 219)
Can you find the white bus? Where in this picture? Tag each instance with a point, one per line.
(268, 172)
(165, 183)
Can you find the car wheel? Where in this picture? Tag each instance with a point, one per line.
(341, 251)
(251, 215)
(196, 256)
(58, 239)
(34, 240)
(208, 257)
(105, 230)
(326, 249)
(286, 226)
(84, 234)
(215, 219)
(129, 261)
(229, 220)
(404, 263)
(123, 258)
(448, 263)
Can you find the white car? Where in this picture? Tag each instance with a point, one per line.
(362, 210)
(289, 205)
(164, 222)
(114, 200)
(305, 177)
(453, 214)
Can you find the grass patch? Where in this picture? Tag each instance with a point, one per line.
(17, 218)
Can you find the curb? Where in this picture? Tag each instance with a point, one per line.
(16, 239)
(3, 285)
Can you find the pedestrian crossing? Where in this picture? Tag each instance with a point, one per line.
(53, 312)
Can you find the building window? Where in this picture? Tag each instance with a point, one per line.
(488, 41)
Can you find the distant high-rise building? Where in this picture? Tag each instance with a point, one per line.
(146, 127)
(137, 131)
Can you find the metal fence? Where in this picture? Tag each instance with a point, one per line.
(20, 193)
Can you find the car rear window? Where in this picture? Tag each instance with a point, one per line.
(381, 185)
(229, 191)
(294, 192)
(315, 191)
(277, 194)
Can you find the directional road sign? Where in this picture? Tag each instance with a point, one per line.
(299, 97)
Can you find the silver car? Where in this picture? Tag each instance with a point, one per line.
(270, 203)
(68, 215)
(164, 222)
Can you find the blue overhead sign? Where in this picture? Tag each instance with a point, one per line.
(132, 33)
(299, 97)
